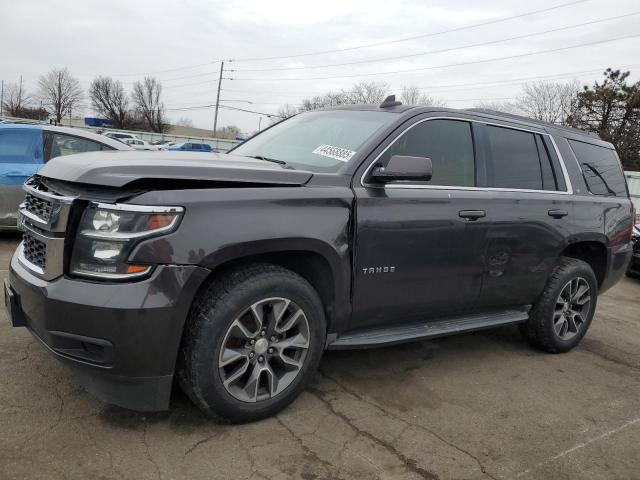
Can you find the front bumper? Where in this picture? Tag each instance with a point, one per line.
(120, 339)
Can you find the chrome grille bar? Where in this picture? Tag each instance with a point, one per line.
(43, 218)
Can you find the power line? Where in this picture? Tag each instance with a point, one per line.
(475, 62)
(238, 101)
(359, 47)
(519, 80)
(406, 39)
(164, 71)
(447, 86)
(431, 52)
(202, 107)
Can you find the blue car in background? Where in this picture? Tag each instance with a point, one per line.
(192, 147)
(25, 148)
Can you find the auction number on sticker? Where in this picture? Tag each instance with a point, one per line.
(337, 153)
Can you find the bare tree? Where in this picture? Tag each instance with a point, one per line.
(59, 92)
(148, 103)
(412, 95)
(330, 99)
(109, 100)
(287, 111)
(552, 102)
(505, 107)
(185, 122)
(371, 93)
(230, 131)
(15, 99)
(364, 92)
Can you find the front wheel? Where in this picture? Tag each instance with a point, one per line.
(563, 313)
(253, 340)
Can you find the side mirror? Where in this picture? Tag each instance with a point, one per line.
(401, 167)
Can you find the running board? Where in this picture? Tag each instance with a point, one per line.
(437, 328)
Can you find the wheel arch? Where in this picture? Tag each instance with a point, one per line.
(593, 251)
(315, 261)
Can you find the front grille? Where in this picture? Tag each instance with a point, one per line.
(44, 215)
(35, 251)
(39, 207)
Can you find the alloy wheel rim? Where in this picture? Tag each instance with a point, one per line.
(572, 308)
(264, 349)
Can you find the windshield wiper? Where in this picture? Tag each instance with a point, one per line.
(272, 160)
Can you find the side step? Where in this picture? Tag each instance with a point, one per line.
(378, 337)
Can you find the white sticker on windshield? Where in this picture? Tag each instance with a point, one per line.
(337, 153)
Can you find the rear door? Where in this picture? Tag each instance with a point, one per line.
(415, 253)
(528, 212)
(21, 154)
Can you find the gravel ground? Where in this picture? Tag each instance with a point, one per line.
(482, 405)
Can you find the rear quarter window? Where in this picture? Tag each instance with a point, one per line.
(601, 169)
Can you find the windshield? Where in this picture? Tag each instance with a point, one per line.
(316, 141)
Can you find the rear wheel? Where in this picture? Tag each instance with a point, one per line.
(253, 340)
(562, 315)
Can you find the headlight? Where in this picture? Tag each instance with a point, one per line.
(108, 234)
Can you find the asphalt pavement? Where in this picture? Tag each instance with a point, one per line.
(473, 406)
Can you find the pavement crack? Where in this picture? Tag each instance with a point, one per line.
(409, 463)
(305, 448)
(408, 423)
(198, 443)
(148, 451)
(596, 348)
(60, 407)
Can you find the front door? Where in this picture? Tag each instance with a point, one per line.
(416, 244)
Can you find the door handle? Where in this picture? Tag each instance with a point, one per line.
(472, 214)
(16, 174)
(558, 213)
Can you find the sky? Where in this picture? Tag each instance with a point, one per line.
(279, 52)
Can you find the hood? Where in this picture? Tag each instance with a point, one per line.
(117, 169)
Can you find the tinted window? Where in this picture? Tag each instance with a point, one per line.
(21, 146)
(514, 160)
(601, 169)
(59, 144)
(449, 145)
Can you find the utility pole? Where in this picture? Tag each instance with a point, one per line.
(2, 99)
(215, 119)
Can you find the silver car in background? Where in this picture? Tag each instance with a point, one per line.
(24, 148)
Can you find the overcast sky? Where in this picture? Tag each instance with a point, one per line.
(180, 42)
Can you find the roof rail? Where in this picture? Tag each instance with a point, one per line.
(498, 113)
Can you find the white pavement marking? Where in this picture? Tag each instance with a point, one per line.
(581, 445)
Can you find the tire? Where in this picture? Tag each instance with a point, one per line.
(552, 326)
(225, 315)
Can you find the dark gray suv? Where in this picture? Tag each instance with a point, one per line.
(352, 227)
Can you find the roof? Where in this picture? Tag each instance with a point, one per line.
(486, 113)
(76, 132)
